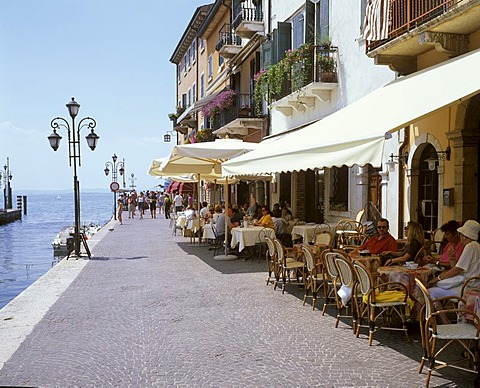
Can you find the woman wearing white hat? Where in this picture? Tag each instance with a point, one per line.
(468, 264)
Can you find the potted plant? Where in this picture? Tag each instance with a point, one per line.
(326, 66)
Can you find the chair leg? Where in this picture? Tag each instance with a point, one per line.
(371, 325)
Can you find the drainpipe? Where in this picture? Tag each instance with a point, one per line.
(269, 24)
(401, 184)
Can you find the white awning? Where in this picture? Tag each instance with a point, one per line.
(356, 133)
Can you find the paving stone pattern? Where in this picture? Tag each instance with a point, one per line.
(150, 310)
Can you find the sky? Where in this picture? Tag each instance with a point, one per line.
(113, 57)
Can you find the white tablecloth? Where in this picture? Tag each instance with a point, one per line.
(303, 231)
(181, 221)
(193, 224)
(208, 232)
(248, 237)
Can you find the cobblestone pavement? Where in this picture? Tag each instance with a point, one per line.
(150, 310)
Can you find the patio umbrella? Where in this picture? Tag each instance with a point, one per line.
(205, 159)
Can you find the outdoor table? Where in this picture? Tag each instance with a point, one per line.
(208, 232)
(373, 262)
(181, 221)
(406, 276)
(193, 224)
(316, 250)
(304, 231)
(248, 237)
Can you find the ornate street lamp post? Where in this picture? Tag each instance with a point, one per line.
(114, 186)
(132, 181)
(7, 190)
(74, 154)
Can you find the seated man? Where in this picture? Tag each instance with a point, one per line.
(237, 216)
(381, 242)
(276, 212)
(220, 225)
(204, 210)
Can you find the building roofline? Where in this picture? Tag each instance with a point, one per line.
(190, 32)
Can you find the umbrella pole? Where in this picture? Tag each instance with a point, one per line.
(226, 256)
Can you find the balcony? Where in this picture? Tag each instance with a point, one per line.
(416, 27)
(239, 120)
(229, 43)
(248, 19)
(306, 77)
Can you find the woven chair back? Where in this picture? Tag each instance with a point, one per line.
(365, 281)
(345, 270)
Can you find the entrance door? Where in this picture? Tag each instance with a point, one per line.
(427, 207)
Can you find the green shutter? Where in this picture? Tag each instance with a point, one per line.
(284, 41)
(309, 22)
(267, 54)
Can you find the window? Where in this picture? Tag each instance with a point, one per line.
(179, 69)
(194, 93)
(184, 100)
(202, 85)
(189, 57)
(210, 66)
(202, 45)
(221, 60)
(339, 189)
(189, 96)
(185, 63)
(194, 51)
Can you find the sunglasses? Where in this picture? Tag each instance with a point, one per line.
(382, 227)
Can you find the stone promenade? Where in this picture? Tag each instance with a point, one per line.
(150, 310)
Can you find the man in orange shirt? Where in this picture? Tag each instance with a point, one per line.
(381, 242)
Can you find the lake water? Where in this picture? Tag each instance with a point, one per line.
(26, 251)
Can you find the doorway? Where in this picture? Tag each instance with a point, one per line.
(427, 205)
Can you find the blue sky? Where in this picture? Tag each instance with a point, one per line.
(113, 57)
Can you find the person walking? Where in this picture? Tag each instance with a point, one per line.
(152, 203)
(141, 204)
(161, 201)
(178, 202)
(131, 206)
(120, 210)
(167, 204)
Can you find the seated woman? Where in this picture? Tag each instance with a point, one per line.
(266, 220)
(217, 213)
(468, 264)
(415, 241)
(452, 250)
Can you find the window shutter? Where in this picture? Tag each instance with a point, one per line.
(267, 52)
(284, 41)
(324, 19)
(309, 22)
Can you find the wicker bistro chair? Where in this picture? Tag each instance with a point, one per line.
(313, 276)
(467, 334)
(331, 280)
(319, 231)
(379, 297)
(272, 261)
(219, 241)
(348, 279)
(286, 265)
(261, 246)
(349, 233)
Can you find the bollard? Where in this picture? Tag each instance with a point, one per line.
(19, 202)
(24, 204)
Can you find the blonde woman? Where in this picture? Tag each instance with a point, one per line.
(415, 241)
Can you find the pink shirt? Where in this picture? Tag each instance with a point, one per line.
(458, 249)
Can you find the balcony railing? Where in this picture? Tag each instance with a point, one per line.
(242, 108)
(227, 37)
(406, 15)
(318, 65)
(247, 11)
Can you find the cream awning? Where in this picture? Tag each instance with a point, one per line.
(356, 134)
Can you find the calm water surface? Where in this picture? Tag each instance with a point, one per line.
(26, 252)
